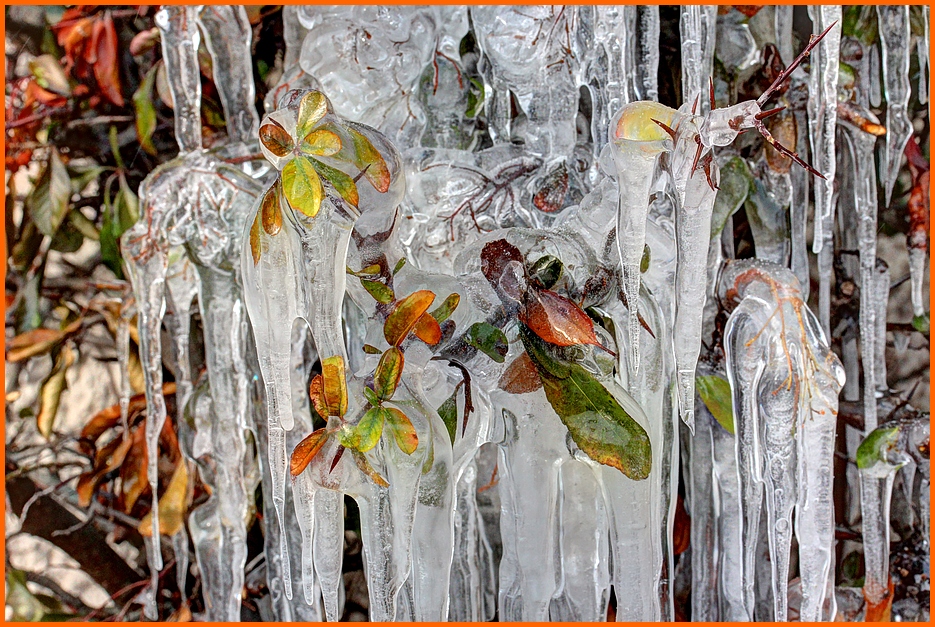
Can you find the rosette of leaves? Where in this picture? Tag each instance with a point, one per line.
(312, 162)
(549, 323)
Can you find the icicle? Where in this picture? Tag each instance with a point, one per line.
(922, 50)
(893, 27)
(328, 552)
(635, 148)
(697, 28)
(704, 521)
(123, 361)
(822, 121)
(180, 549)
(647, 53)
(180, 40)
(181, 289)
(228, 37)
(879, 299)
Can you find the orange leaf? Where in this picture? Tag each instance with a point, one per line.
(316, 392)
(521, 376)
(276, 139)
(428, 330)
(405, 316)
(106, 461)
(334, 385)
(557, 320)
(104, 61)
(269, 208)
(256, 243)
(306, 450)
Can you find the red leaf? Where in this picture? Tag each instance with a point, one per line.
(551, 196)
(104, 58)
(557, 320)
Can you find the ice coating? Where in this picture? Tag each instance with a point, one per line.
(698, 36)
(894, 45)
(822, 120)
(180, 37)
(785, 408)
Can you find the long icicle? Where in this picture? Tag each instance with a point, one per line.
(893, 26)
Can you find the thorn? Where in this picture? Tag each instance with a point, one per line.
(666, 128)
(711, 91)
(812, 42)
(765, 114)
(695, 105)
(697, 155)
(785, 151)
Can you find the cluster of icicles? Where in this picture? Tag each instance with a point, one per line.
(573, 257)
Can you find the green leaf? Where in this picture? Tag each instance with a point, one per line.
(717, 397)
(302, 186)
(546, 271)
(475, 99)
(921, 323)
(49, 200)
(444, 311)
(448, 412)
(399, 265)
(380, 292)
(388, 373)
(370, 428)
(341, 182)
(734, 186)
(312, 108)
(597, 422)
(371, 350)
(126, 206)
(83, 225)
(145, 111)
(877, 446)
(67, 238)
(372, 397)
(645, 259)
(489, 340)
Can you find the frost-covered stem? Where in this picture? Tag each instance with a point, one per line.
(123, 361)
(180, 39)
(822, 121)
(228, 37)
(893, 26)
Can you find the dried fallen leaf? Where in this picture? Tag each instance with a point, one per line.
(104, 58)
(38, 341)
(172, 505)
(51, 392)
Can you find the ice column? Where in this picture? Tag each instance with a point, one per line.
(893, 25)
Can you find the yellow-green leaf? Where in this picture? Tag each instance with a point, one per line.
(444, 311)
(276, 139)
(405, 315)
(51, 393)
(716, 394)
(145, 111)
(255, 242)
(370, 428)
(269, 209)
(341, 182)
(380, 292)
(371, 350)
(334, 385)
(312, 108)
(405, 434)
(321, 142)
(368, 470)
(388, 373)
(302, 186)
(306, 450)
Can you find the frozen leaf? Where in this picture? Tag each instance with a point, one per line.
(256, 243)
(427, 330)
(172, 505)
(306, 450)
(368, 470)
(494, 258)
(38, 341)
(921, 323)
(551, 196)
(596, 421)
(444, 311)
(520, 377)
(735, 184)
(368, 271)
(645, 259)
(389, 370)
(380, 292)
(302, 187)
(370, 161)
(341, 182)
(49, 200)
(51, 392)
(489, 340)
(716, 395)
(370, 428)
(145, 111)
(448, 412)
(334, 385)
(405, 316)
(371, 350)
(312, 108)
(316, 393)
(399, 266)
(546, 271)
(372, 397)
(270, 212)
(322, 143)
(104, 58)
(405, 434)
(276, 139)
(557, 320)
